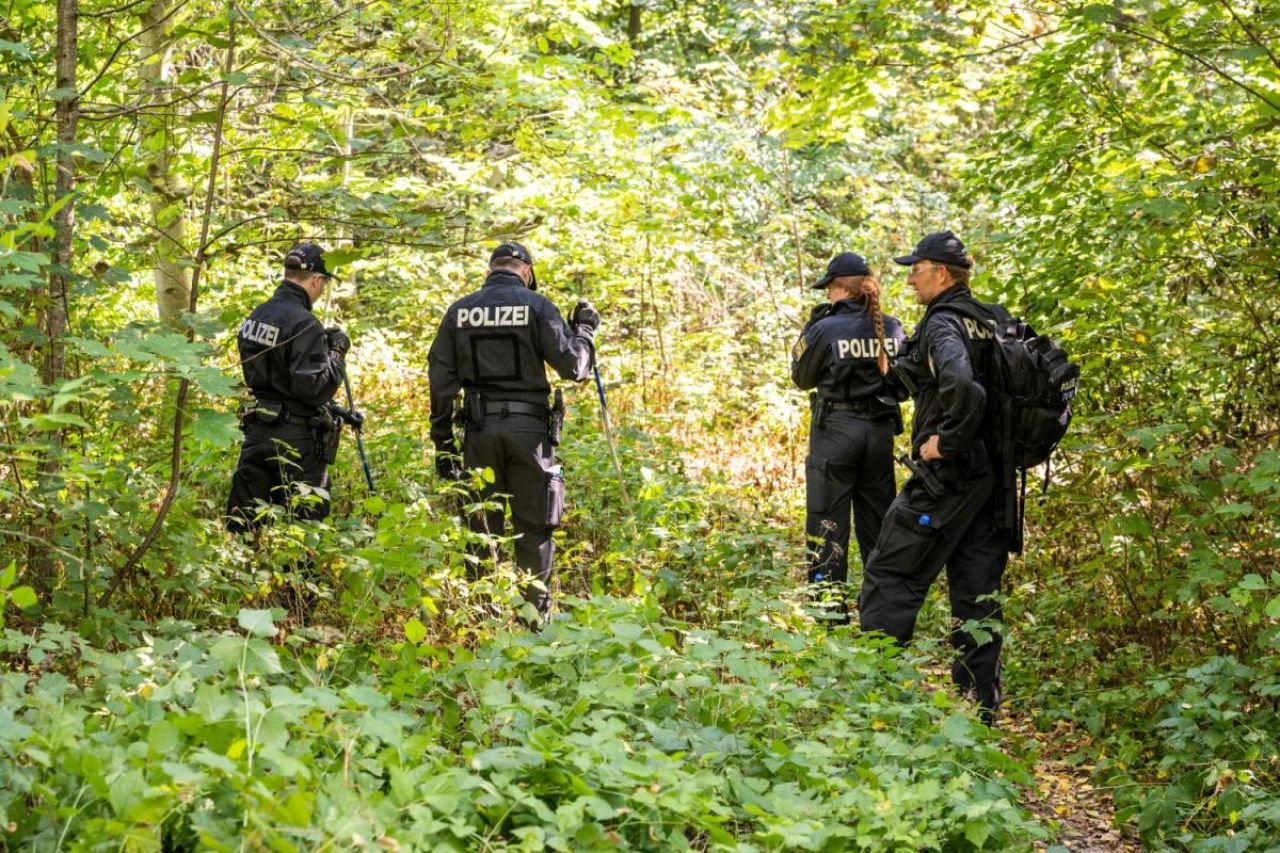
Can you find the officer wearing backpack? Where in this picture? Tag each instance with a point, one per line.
(948, 512)
(844, 354)
(493, 345)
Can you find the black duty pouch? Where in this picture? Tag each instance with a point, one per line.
(261, 412)
(555, 420)
(474, 417)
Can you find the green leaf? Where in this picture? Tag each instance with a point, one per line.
(261, 659)
(220, 429)
(977, 832)
(7, 576)
(163, 738)
(257, 622)
(415, 631)
(1273, 608)
(23, 596)
(57, 420)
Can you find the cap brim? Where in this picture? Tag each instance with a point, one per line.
(908, 260)
(822, 282)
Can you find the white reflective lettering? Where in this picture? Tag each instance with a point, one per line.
(494, 315)
(259, 332)
(864, 348)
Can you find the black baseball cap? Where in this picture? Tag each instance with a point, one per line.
(512, 249)
(844, 264)
(308, 257)
(942, 247)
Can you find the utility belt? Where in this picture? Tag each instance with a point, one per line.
(476, 409)
(327, 426)
(271, 413)
(868, 408)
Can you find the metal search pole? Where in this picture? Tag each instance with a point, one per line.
(604, 416)
(608, 434)
(364, 459)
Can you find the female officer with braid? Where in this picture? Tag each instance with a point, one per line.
(844, 354)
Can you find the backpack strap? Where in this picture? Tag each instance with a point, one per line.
(995, 317)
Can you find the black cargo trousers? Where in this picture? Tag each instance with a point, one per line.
(517, 447)
(849, 467)
(275, 461)
(924, 532)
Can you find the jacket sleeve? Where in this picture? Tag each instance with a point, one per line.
(808, 357)
(567, 350)
(895, 334)
(442, 374)
(315, 371)
(963, 399)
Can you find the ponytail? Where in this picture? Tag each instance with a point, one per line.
(872, 295)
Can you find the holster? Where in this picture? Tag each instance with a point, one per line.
(473, 411)
(904, 377)
(328, 435)
(927, 478)
(821, 411)
(555, 420)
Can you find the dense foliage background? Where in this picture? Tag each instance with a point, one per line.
(689, 167)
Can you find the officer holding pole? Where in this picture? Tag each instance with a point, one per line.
(293, 367)
(492, 346)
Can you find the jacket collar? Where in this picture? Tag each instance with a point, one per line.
(291, 292)
(954, 293)
(854, 305)
(503, 277)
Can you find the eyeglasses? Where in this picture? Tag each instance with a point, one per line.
(916, 270)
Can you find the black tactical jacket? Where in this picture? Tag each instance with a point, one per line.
(495, 341)
(837, 355)
(947, 367)
(284, 353)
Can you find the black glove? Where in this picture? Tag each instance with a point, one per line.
(585, 316)
(349, 416)
(449, 465)
(822, 309)
(337, 340)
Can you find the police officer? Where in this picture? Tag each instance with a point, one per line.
(492, 346)
(844, 353)
(292, 367)
(947, 512)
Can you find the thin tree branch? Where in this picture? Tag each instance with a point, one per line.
(1194, 57)
(1226, 4)
(184, 386)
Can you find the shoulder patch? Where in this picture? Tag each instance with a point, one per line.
(798, 350)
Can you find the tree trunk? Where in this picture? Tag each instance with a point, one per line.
(54, 312)
(53, 307)
(634, 23)
(169, 193)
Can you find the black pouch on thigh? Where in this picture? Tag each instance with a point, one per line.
(819, 493)
(540, 506)
(555, 498)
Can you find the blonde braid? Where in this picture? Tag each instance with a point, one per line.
(877, 319)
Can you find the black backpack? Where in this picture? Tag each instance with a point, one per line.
(1034, 383)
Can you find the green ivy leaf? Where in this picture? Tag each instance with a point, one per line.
(415, 631)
